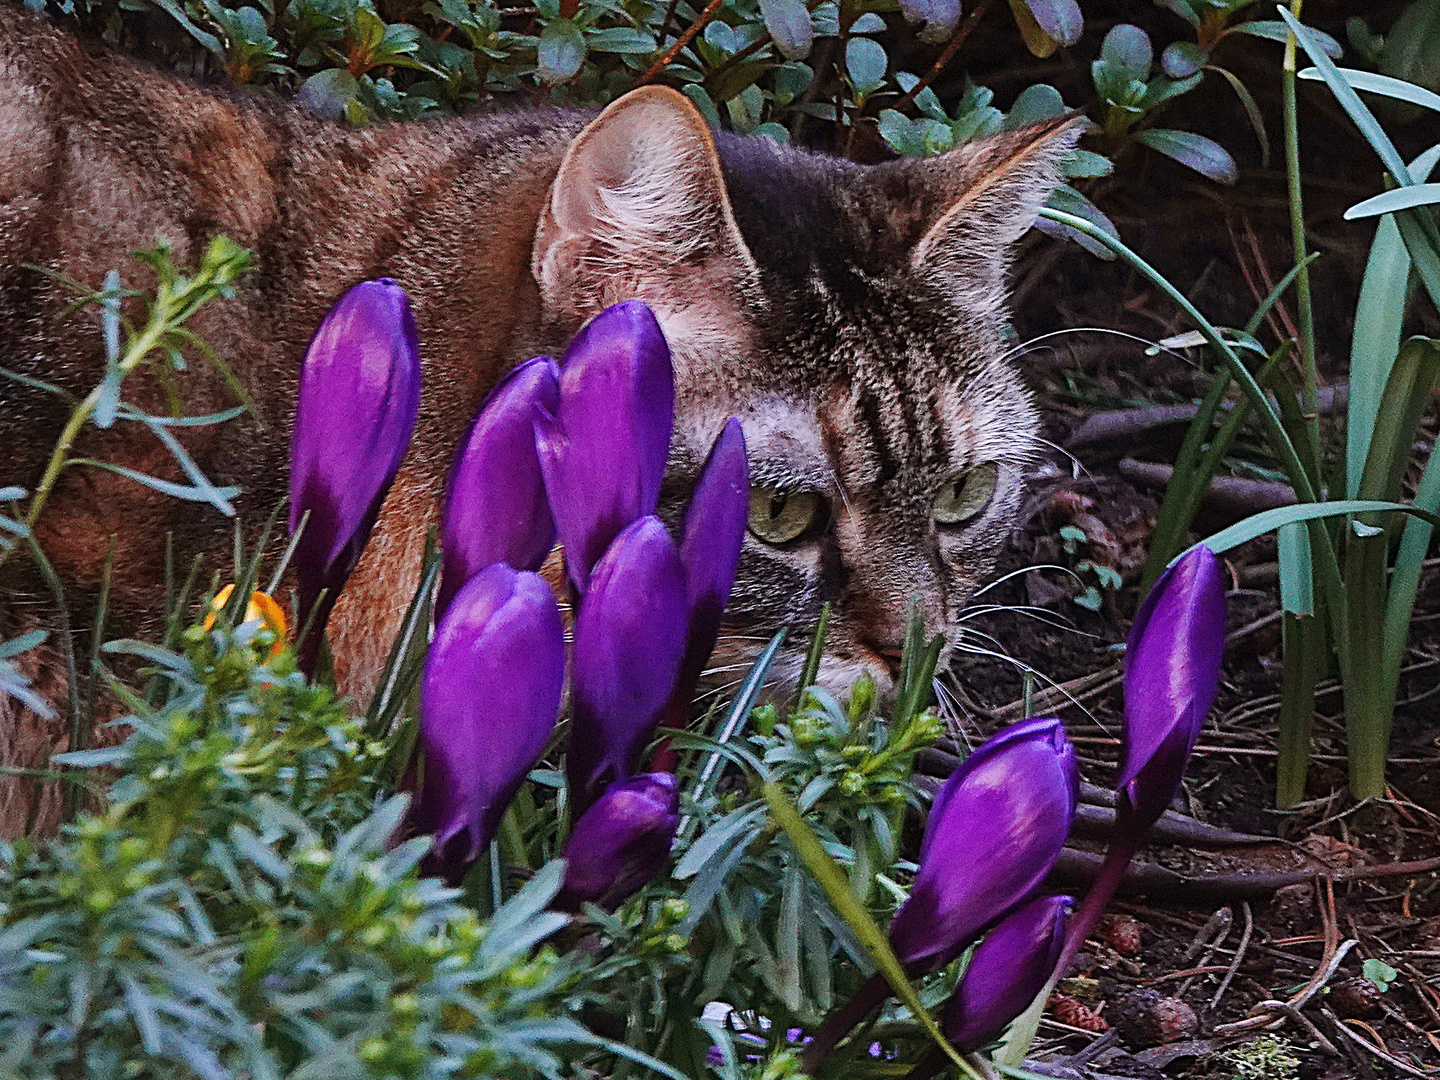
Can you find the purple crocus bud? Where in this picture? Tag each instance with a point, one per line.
(1172, 671)
(1008, 969)
(629, 638)
(488, 702)
(495, 505)
(621, 842)
(354, 414)
(710, 551)
(995, 829)
(603, 447)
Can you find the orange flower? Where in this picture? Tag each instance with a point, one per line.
(262, 608)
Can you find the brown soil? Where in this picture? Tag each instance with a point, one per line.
(1222, 247)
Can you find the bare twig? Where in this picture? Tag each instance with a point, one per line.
(1370, 1048)
(706, 16)
(1239, 955)
(971, 21)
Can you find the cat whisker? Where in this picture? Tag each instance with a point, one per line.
(1017, 573)
(1020, 348)
(1020, 665)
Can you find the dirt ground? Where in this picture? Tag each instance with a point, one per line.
(1210, 936)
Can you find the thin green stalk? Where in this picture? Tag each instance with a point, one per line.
(1303, 651)
(1309, 389)
(1284, 449)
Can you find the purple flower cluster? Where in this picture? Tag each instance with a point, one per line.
(574, 450)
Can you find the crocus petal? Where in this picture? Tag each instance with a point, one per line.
(355, 411)
(629, 638)
(491, 692)
(995, 828)
(1007, 970)
(603, 447)
(495, 505)
(621, 842)
(1172, 671)
(710, 550)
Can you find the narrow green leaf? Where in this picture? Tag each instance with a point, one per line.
(1297, 592)
(1387, 202)
(1375, 83)
(1407, 394)
(830, 878)
(1267, 520)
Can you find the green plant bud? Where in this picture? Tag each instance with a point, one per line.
(673, 911)
(132, 849)
(862, 697)
(765, 717)
(405, 1005)
(376, 934)
(853, 783)
(676, 943)
(100, 901)
(854, 754)
(373, 1050)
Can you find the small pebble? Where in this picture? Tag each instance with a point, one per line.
(1121, 933)
(1149, 1018)
(1356, 999)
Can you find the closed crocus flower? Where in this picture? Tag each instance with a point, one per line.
(604, 444)
(489, 698)
(495, 506)
(1008, 969)
(354, 414)
(995, 829)
(1172, 671)
(629, 639)
(621, 842)
(710, 552)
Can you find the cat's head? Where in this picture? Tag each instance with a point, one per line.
(853, 317)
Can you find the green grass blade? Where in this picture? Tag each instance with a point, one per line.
(1259, 524)
(1369, 709)
(1407, 394)
(1375, 83)
(837, 890)
(1388, 202)
(1409, 562)
(1303, 645)
(1379, 316)
(1417, 227)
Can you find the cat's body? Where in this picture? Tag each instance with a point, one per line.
(851, 316)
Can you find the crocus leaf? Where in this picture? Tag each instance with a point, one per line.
(1381, 84)
(1388, 202)
(1275, 30)
(1205, 156)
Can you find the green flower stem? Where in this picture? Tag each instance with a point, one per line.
(1322, 546)
(1309, 389)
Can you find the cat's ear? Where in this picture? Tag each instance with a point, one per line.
(980, 199)
(639, 210)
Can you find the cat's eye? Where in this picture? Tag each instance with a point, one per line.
(963, 498)
(778, 516)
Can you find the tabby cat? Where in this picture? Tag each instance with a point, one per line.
(851, 315)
